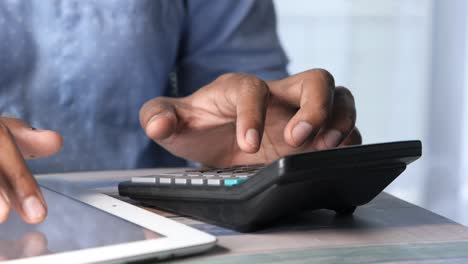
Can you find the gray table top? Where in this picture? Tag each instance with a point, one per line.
(387, 230)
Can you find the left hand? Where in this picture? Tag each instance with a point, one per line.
(240, 119)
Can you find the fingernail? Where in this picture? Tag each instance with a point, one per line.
(252, 137)
(300, 132)
(332, 138)
(160, 115)
(33, 208)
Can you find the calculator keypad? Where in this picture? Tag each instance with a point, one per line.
(229, 176)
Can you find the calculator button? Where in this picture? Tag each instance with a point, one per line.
(232, 182)
(242, 175)
(214, 182)
(144, 180)
(196, 181)
(193, 174)
(181, 181)
(165, 180)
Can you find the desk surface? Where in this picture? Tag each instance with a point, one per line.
(387, 230)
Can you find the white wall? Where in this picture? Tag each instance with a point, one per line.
(464, 141)
(444, 153)
(382, 51)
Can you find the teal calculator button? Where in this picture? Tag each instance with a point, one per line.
(232, 182)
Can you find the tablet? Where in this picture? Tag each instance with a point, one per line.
(84, 226)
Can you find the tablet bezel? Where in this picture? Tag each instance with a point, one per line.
(178, 239)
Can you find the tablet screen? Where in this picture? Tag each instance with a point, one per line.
(70, 225)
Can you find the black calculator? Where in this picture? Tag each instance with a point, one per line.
(250, 197)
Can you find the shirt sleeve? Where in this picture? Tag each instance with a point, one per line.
(228, 36)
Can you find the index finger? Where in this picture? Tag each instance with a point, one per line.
(292, 89)
(312, 92)
(18, 183)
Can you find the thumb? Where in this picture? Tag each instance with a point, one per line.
(33, 143)
(158, 118)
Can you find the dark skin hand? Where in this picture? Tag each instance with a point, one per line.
(240, 119)
(236, 119)
(18, 188)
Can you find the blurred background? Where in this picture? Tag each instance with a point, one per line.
(406, 63)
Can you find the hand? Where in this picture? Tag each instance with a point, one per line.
(240, 119)
(18, 188)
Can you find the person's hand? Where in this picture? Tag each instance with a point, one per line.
(18, 188)
(240, 119)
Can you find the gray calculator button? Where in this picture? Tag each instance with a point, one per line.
(225, 175)
(192, 174)
(215, 182)
(181, 181)
(196, 181)
(144, 180)
(165, 180)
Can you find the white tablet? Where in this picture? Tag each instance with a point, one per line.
(84, 226)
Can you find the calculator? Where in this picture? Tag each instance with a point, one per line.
(250, 197)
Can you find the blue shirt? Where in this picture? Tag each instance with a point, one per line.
(85, 67)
